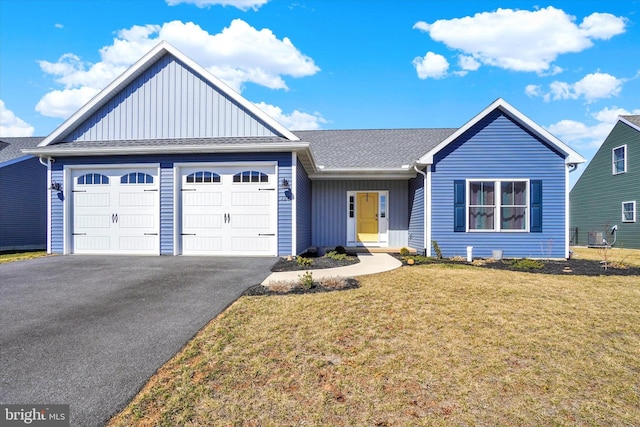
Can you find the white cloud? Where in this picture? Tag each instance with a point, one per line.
(468, 63)
(243, 5)
(58, 26)
(238, 54)
(522, 40)
(532, 90)
(297, 120)
(11, 125)
(432, 65)
(591, 87)
(589, 137)
(63, 103)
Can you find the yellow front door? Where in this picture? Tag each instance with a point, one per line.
(367, 217)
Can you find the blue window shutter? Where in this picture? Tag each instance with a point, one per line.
(459, 208)
(536, 206)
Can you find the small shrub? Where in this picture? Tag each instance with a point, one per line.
(404, 252)
(336, 255)
(306, 280)
(334, 282)
(437, 250)
(304, 262)
(526, 264)
(340, 250)
(281, 287)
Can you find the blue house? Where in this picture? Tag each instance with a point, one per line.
(23, 196)
(168, 160)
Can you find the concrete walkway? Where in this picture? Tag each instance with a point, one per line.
(370, 263)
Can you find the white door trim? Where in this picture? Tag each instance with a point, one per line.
(383, 221)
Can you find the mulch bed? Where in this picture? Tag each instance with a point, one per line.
(317, 287)
(284, 264)
(576, 267)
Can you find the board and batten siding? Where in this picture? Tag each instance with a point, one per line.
(169, 100)
(302, 199)
(23, 205)
(167, 164)
(416, 213)
(329, 210)
(498, 148)
(596, 199)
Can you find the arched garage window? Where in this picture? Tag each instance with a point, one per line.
(136, 178)
(93, 179)
(250, 176)
(203, 177)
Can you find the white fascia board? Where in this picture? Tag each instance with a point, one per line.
(137, 69)
(361, 173)
(571, 156)
(627, 122)
(56, 151)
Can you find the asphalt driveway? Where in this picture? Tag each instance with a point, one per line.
(89, 331)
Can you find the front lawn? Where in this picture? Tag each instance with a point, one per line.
(422, 345)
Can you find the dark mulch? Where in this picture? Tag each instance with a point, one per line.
(318, 262)
(258, 290)
(576, 267)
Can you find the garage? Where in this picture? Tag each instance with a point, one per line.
(114, 211)
(228, 209)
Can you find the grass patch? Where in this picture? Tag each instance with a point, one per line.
(19, 256)
(421, 345)
(620, 256)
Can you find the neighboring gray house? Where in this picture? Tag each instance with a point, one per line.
(607, 195)
(23, 196)
(168, 160)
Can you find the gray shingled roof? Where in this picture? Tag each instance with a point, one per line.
(162, 143)
(633, 119)
(371, 148)
(333, 149)
(10, 147)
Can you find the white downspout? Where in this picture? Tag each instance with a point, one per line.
(571, 167)
(426, 208)
(48, 165)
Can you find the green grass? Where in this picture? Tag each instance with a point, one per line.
(19, 256)
(422, 345)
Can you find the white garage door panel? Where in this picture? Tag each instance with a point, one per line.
(202, 198)
(93, 200)
(201, 245)
(115, 211)
(223, 217)
(92, 244)
(254, 245)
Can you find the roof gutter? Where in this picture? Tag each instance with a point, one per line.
(56, 151)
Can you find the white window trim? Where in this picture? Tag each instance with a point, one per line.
(635, 211)
(497, 204)
(613, 162)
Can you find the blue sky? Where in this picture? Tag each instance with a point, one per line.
(571, 66)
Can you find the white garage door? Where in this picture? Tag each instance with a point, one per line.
(228, 210)
(115, 211)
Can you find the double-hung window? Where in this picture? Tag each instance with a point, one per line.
(629, 211)
(500, 205)
(619, 160)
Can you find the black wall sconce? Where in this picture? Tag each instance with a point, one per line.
(55, 186)
(285, 183)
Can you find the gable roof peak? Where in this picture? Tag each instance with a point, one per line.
(138, 68)
(571, 156)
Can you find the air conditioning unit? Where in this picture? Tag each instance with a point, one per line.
(596, 239)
